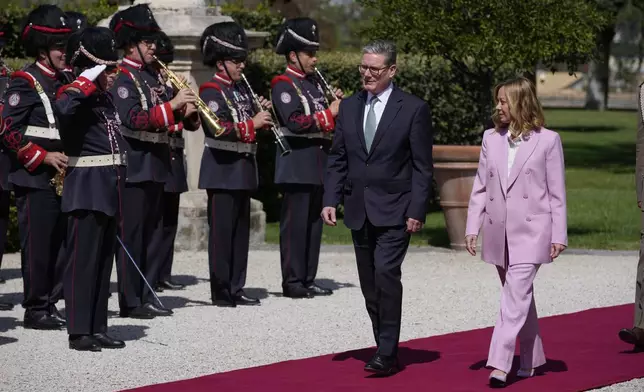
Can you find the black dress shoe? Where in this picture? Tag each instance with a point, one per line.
(297, 292)
(107, 342)
(634, 336)
(317, 290)
(158, 288)
(170, 285)
(382, 365)
(138, 312)
(53, 312)
(2, 280)
(224, 302)
(242, 299)
(84, 343)
(41, 321)
(222, 298)
(157, 310)
(5, 306)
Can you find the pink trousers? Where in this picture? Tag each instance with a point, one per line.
(517, 318)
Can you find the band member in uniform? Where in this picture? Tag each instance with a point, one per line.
(163, 245)
(5, 166)
(146, 113)
(228, 166)
(307, 121)
(94, 182)
(31, 130)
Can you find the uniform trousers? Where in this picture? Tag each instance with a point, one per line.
(229, 221)
(5, 200)
(162, 247)
(91, 239)
(639, 283)
(300, 234)
(141, 220)
(42, 228)
(380, 252)
(517, 318)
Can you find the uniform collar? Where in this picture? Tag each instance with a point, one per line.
(46, 70)
(223, 78)
(295, 72)
(133, 63)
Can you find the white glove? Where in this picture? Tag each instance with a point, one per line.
(92, 73)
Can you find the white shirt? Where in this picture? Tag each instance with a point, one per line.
(513, 147)
(379, 107)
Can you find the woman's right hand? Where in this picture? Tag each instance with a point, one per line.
(470, 243)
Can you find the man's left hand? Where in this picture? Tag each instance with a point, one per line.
(413, 226)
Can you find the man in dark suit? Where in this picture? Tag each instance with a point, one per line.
(380, 168)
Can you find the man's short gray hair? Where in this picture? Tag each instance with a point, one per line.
(385, 48)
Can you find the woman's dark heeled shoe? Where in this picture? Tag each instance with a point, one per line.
(498, 379)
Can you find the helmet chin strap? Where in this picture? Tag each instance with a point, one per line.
(297, 55)
(51, 63)
(145, 65)
(226, 69)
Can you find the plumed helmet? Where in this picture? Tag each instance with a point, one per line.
(298, 35)
(76, 20)
(223, 41)
(45, 27)
(92, 46)
(134, 24)
(165, 49)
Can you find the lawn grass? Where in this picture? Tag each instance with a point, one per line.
(599, 150)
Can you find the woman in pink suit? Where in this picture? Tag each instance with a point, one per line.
(519, 199)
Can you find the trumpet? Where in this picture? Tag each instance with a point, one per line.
(326, 85)
(279, 136)
(210, 117)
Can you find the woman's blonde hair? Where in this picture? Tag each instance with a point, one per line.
(526, 113)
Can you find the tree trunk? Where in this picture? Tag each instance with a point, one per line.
(599, 72)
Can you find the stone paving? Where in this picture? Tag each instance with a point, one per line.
(444, 292)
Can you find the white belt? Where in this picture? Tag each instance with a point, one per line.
(144, 136)
(97, 160)
(42, 132)
(317, 135)
(176, 142)
(231, 146)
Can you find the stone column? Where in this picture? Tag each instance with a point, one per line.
(184, 21)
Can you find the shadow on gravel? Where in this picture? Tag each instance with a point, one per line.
(13, 298)
(333, 284)
(10, 273)
(187, 280)
(551, 366)
(256, 292)
(172, 302)
(407, 356)
(8, 323)
(6, 340)
(127, 332)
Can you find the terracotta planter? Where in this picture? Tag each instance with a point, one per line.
(454, 171)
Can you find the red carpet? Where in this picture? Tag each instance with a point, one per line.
(583, 353)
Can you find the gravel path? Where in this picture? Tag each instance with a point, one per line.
(200, 339)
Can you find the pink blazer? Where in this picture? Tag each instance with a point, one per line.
(529, 205)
